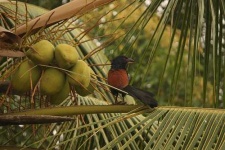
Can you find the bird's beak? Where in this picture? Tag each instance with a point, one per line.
(130, 60)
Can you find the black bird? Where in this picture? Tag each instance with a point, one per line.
(118, 77)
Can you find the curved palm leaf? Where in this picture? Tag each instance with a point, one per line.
(164, 128)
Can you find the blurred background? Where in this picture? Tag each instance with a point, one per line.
(169, 45)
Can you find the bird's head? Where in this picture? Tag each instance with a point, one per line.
(121, 62)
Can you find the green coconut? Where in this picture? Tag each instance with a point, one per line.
(66, 56)
(25, 77)
(61, 95)
(52, 81)
(80, 74)
(81, 90)
(41, 53)
(94, 79)
(84, 91)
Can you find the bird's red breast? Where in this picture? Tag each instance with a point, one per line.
(118, 78)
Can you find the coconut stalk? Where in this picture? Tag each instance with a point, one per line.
(31, 119)
(82, 109)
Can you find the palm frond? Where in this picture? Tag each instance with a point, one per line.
(176, 35)
(175, 43)
(164, 128)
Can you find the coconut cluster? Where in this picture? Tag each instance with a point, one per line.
(55, 82)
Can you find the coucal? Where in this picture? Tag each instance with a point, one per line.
(118, 78)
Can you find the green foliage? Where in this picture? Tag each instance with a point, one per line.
(164, 128)
(171, 56)
(171, 61)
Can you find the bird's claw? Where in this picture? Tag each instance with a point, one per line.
(120, 103)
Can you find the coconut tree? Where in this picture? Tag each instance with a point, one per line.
(178, 47)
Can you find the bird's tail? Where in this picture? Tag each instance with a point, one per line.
(144, 96)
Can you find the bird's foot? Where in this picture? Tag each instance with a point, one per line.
(120, 103)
